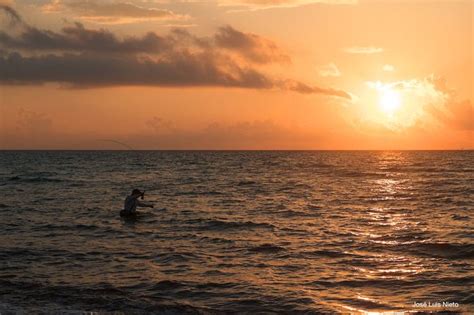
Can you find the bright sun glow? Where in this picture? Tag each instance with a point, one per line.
(389, 101)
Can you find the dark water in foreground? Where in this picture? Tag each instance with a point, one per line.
(315, 232)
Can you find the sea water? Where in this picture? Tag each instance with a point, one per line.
(249, 231)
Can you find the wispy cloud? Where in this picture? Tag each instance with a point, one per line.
(266, 4)
(36, 130)
(106, 12)
(388, 68)
(329, 70)
(11, 14)
(364, 50)
(251, 46)
(459, 114)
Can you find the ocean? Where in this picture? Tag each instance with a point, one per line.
(316, 232)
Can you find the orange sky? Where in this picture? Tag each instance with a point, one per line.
(236, 74)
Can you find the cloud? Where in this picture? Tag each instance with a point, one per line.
(184, 69)
(251, 46)
(300, 87)
(458, 115)
(106, 12)
(86, 58)
(258, 134)
(160, 125)
(266, 4)
(367, 50)
(89, 70)
(250, 135)
(388, 68)
(33, 124)
(254, 135)
(11, 14)
(329, 70)
(78, 38)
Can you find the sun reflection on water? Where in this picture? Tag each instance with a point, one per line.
(390, 228)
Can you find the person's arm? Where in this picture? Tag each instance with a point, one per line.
(142, 204)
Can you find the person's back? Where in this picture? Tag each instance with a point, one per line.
(131, 203)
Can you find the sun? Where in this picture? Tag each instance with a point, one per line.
(389, 101)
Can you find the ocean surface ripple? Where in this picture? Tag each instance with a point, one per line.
(318, 232)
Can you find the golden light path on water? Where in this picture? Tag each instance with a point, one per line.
(383, 222)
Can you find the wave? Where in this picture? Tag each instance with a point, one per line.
(43, 255)
(68, 227)
(267, 248)
(357, 174)
(167, 258)
(460, 217)
(427, 249)
(198, 193)
(399, 283)
(36, 179)
(35, 296)
(217, 240)
(215, 224)
(246, 183)
(166, 285)
(402, 239)
(329, 253)
(367, 304)
(443, 250)
(292, 214)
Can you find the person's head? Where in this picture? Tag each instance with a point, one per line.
(137, 193)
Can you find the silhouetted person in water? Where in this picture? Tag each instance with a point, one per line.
(131, 203)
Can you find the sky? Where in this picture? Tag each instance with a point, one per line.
(236, 74)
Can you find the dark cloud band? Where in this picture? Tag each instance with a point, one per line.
(84, 57)
(88, 70)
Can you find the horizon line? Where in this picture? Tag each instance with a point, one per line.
(232, 150)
